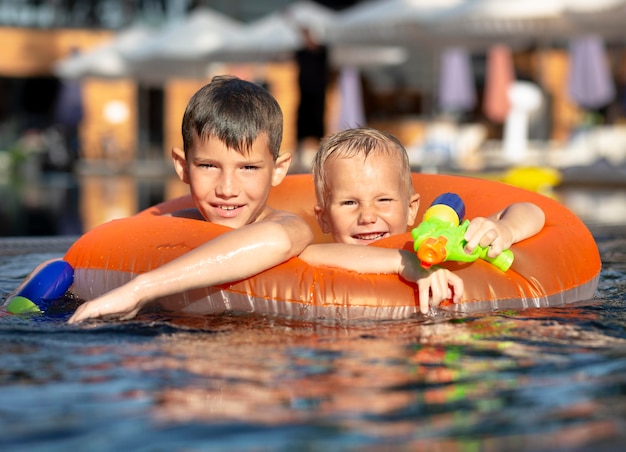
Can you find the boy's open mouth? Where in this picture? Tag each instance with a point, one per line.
(370, 236)
(227, 211)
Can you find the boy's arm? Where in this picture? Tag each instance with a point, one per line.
(504, 228)
(434, 286)
(358, 258)
(234, 255)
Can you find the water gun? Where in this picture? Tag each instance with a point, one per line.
(440, 236)
(43, 286)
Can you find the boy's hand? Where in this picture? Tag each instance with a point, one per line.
(438, 286)
(488, 233)
(433, 286)
(499, 231)
(119, 303)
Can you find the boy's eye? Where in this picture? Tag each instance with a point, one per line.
(250, 167)
(347, 203)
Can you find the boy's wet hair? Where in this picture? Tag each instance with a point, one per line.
(351, 142)
(234, 111)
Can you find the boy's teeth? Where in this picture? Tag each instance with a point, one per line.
(369, 236)
(228, 207)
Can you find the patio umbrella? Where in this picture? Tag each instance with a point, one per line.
(277, 33)
(457, 92)
(351, 113)
(480, 23)
(367, 56)
(499, 76)
(193, 38)
(590, 82)
(604, 18)
(116, 59)
(106, 60)
(476, 23)
(389, 22)
(183, 49)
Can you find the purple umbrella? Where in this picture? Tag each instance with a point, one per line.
(590, 83)
(457, 92)
(351, 113)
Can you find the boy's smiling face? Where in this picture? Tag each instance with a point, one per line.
(230, 188)
(368, 200)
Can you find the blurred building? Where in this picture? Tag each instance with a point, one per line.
(117, 14)
(124, 120)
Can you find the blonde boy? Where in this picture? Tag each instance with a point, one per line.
(365, 193)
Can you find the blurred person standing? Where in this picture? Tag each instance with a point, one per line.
(68, 114)
(313, 70)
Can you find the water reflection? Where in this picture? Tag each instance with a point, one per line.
(65, 204)
(104, 198)
(49, 206)
(505, 377)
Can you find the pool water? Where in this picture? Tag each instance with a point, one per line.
(544, 379)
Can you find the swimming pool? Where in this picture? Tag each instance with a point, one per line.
(533, 380)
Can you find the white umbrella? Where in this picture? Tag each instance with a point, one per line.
(367, 56)
(605, 18)
(203, 32)
(388, 21)
(106, 60)
(263, 39)
(278, 33)
(480, 23)
(317, 18)
(210, 36)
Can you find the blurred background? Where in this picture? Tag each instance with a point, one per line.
(92, 93)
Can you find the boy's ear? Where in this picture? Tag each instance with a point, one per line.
(320, 215)
(281, 167)
(414, 205)
(180, 164)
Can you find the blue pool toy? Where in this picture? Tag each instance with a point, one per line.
(51, 282)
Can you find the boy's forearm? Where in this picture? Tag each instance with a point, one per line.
(358, 258)
(235, 255)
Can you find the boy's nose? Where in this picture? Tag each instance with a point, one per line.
(367, 214)
(227, 186)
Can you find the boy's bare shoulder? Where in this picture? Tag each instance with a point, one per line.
(280, 215)
(292, 222)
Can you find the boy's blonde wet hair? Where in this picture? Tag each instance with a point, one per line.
(352, 142)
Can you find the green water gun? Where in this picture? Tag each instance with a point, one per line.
(440, 237)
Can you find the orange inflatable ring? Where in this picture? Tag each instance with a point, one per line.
(559, 265)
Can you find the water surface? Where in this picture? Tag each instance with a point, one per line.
(544, 379)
